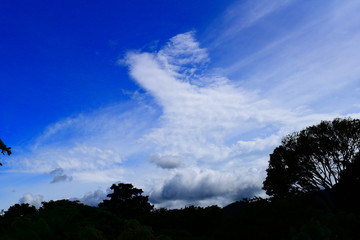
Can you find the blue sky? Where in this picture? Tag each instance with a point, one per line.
(184, 99)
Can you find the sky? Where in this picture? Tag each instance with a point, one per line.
(183, 99)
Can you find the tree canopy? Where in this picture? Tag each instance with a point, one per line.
(257, 218)
(314, 158)
(126, 201)
(4, 149)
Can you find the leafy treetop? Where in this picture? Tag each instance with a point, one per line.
(4, 149)
(314, 158)
(126, 201)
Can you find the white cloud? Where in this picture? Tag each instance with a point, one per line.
(199, 137)
(108, 175)
(257, 144)
(182, 56)
(205, 122)
(34, 200)
(92, 198)
(312, 65)
(99, 140)
(242, 15)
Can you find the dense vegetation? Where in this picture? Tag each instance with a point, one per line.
(308, 217)
(313, 180)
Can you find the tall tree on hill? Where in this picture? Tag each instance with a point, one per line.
(313, 159)
(126, 201)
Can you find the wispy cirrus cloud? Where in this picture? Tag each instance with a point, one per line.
(242, 15)
(305, 61)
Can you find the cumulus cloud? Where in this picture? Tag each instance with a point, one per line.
(92, 198)
(196, 185)
(34, 200)
(167, 161)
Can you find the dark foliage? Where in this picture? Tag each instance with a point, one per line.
(299, 217)
(188, 223)
(65, 219)
(346, 193)
(281, 218)
(19, 210)
(313, 159)
(4, 149)
(126, 201)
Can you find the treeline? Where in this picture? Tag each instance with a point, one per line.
(306, 217)
(298, 218)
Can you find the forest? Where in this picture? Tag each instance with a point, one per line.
(313, 181)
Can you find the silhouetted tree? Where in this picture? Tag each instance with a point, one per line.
(62, 219)
(126, 201)
(313, 159)
(346, 192)
(19, 210)
(4, 149)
